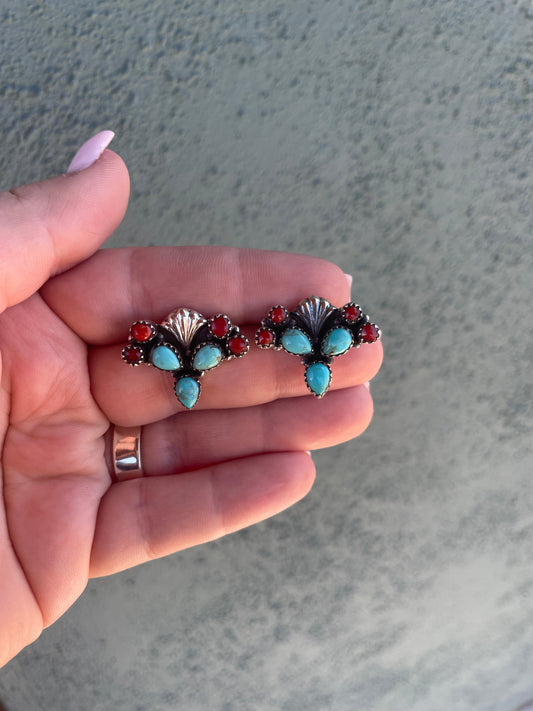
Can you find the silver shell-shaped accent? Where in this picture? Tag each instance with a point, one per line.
(184, 324)
(314, 311)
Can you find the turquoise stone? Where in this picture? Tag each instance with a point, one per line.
(164, 358)
(187, 391)
(336, 342)
(207, 357)
(295, 341)
(318, 377)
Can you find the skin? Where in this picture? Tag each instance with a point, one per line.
(65, 311)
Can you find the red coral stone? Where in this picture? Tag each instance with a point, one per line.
(132, 355)
(219, 327)
(264, 338)
(238, 345)
(369, 333)
(351, 313)
(142, 332)
(278, 314)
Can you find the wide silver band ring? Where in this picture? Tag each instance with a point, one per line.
(127, 453)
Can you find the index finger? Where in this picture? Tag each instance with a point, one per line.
(100, 298)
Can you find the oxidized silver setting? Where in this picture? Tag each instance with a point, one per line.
(179, 338)
(318, 319)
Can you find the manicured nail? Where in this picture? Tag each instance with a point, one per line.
(367, 385)
(308, 451)
(90, 151)
(349, 279)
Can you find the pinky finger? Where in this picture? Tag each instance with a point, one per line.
(147, 518)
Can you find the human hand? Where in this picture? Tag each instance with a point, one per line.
(238, 458)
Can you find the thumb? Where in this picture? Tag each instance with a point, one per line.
(48, 227)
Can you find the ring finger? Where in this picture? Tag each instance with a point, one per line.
(193, 440)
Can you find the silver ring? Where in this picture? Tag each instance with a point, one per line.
(127, 453)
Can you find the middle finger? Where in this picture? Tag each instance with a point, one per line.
(140, 395)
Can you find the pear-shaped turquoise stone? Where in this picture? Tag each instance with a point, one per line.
(187, 391)
(207, 357)
(295, 341)
(336, 342)
(164, 358)
(318, 377)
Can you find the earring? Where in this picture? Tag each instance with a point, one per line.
(185, 344)
(317, 332)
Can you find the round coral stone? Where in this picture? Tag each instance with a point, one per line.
(264, 338)
(142, 332)
(132, 355)
(219, 327)
(278, 314)
(351, 313)
(369, 333)
(238, 345)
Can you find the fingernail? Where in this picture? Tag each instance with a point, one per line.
(308, 451)
(367, 385)
(349, 279)
(90, 151)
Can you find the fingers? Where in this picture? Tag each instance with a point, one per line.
(49, 226)
(100, 298)
(147, 518)
(136, 396)
(193, 440)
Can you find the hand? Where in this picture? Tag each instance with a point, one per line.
(238, 458)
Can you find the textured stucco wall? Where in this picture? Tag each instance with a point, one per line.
(395, 139)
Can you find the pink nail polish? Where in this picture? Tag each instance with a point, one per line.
(349, 279)
(367, 385)
(90, 151)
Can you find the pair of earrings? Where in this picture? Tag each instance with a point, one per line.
(186, 344)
